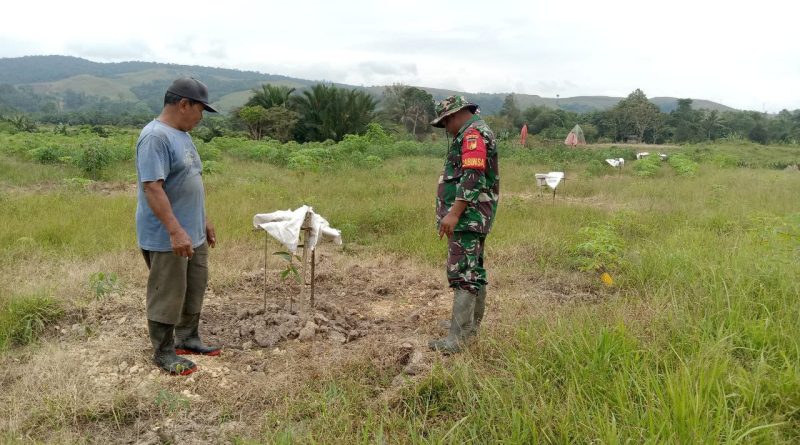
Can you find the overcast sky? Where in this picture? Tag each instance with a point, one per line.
(744, 57)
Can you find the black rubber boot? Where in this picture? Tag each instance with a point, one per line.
(188, 339)
(460, 323)
(480, 308)
(162, 337)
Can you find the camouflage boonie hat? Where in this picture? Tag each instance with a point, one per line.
(449, 106)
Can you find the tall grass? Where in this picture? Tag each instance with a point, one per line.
(700, 346)
(23, 318)
(697, 343)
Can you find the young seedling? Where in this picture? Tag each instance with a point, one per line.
(289, 271)
(104, 284)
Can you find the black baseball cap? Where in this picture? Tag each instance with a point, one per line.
(193, 89)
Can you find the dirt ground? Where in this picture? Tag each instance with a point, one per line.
(92, 378)
(381, 309)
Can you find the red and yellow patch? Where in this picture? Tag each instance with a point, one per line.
(473, 150)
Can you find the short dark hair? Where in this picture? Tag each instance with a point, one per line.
(172, 98)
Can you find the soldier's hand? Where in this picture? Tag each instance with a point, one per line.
(181, 243)
(447, 225)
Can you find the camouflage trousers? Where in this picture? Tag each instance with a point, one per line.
(465, 261)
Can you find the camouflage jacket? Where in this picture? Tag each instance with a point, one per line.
(471, 174)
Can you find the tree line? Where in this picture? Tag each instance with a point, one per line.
(636, 119)
(327, 112)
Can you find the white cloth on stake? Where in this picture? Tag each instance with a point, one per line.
(285, 226)
(553, 179)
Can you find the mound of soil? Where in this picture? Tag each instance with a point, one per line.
(351, 304)
(256, 326)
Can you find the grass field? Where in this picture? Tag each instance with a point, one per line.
(697, 341)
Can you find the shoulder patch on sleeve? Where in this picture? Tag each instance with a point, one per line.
(473, 150)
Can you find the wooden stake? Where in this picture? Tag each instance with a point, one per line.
(305, 258)
(313, 266)
(266, 238)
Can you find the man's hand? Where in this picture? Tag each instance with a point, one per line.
(211, 234)
(162, 209)
(181, 243)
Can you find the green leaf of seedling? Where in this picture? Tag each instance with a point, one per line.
(295, 273)
(285, 255)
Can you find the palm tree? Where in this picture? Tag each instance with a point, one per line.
(711, 121)
(328, 112)
(20, 122)
(270, 96)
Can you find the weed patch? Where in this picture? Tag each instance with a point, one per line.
(647, 167)
(683, 165)
(23, 319)
(599, 248)
(103, 284)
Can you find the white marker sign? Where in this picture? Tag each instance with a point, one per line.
(553, 179)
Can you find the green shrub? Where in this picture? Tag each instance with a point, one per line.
(103, 284)
(79, 183)
(227, 143)
(599, 248)
(302, 162)
(208, 152)
(23, 319)
(375, 134)
(100, 131)
(46, 155)
(724, 160)
(595, 168)
(94, 159)
(211, 167)
(683, 165)
(372, 161)
(647, 167)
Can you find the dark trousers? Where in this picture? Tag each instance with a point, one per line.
(176, 285)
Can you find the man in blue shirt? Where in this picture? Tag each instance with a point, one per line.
(171, 226)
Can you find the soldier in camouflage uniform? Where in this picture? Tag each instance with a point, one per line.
(466, 203)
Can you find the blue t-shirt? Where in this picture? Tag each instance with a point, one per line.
(163, 152)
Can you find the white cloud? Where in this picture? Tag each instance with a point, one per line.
(746, 57)
(110, 51)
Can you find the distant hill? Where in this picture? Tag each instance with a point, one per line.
(62, 79)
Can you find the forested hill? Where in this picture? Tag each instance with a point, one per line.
(43, 83)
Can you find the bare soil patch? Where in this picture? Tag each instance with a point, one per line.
(92, 379)
(379, 311)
